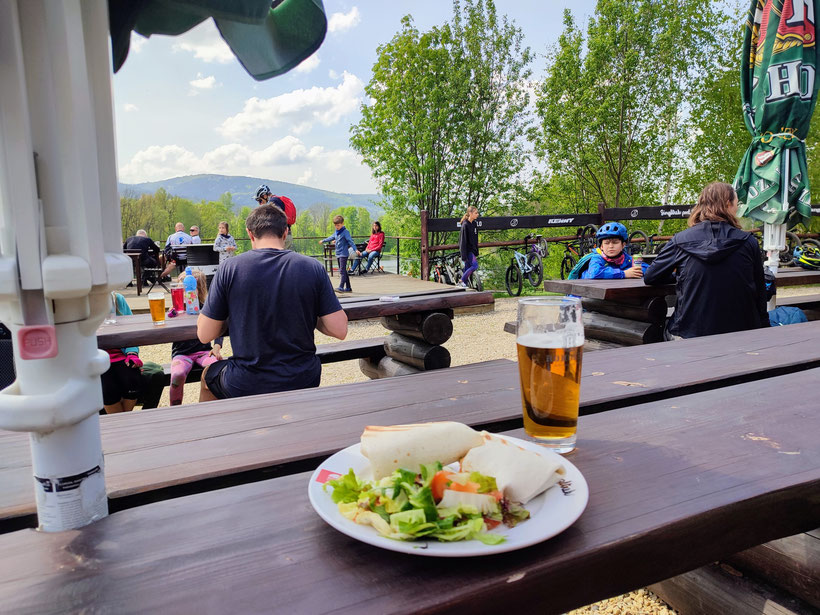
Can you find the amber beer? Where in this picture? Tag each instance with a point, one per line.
(550, 388)
(156, 303)
(550, 345)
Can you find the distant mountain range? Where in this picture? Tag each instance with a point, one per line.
(211, 187)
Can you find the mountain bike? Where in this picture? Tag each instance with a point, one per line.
(575, 249)
(528, 264)
(439, 271)
(645, 240)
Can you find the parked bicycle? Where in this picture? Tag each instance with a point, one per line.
(527, 264)
(456, 270)
(439, 270)
(575, 249)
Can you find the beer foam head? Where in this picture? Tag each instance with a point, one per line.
(556, 339)
(550, 322)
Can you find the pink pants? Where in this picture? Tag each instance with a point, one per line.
(181, 367)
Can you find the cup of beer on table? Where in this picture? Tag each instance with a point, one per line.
(156, 303)
(550, 342)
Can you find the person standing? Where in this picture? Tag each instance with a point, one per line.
(195, 238)
(468, 244)
(716, 268)
(224, 243)
(175, 251)
(275, 298)
(344, 249)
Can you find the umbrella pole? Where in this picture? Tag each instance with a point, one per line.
(60, 243)
(774, 235)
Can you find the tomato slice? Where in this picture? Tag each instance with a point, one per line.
(468, 487)
(439, 483)
(491, 523)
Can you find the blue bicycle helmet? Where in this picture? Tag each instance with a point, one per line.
(612, 229)
(807, 257)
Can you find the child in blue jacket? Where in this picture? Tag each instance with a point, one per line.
(344, 248)
(610, 262)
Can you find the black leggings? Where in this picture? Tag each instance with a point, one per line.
(121, 382)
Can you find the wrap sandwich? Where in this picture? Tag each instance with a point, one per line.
(410, 446)
(520, 474)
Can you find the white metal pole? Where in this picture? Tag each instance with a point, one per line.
(59, 243)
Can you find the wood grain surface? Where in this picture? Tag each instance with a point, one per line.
(160, 453)
(674, 485)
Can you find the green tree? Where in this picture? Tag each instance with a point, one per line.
(613, 103)
(447, 121)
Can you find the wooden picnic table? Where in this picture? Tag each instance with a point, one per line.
(674, 484)
(635, 291)
(164, 453)
(138, 330)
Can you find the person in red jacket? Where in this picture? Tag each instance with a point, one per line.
(373, 249)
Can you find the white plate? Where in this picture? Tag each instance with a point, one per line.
(550, 513)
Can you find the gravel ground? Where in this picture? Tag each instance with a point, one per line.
(476, 337)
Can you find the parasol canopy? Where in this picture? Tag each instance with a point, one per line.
(268, 38)
(779, 90)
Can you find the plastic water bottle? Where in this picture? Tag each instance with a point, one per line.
(191, 297)
(112, 310)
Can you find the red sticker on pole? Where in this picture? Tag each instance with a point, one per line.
(37, 342)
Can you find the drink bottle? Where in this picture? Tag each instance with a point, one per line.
(191, 297)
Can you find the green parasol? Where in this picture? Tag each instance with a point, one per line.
(779, 92)
(267, 38)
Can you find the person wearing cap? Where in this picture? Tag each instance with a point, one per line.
(195, 238)
(264, 195)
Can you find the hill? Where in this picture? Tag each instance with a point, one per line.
(210, 187)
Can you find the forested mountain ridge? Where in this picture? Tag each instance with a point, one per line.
(210, 187)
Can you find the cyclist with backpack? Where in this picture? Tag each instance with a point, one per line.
(264, 195)
(608, 261)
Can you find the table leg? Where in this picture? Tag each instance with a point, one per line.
(138, 269)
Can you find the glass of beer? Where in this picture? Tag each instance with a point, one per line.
(156, 303)
(550, 343)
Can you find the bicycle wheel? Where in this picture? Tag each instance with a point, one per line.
(512, 279)
(544, 246)
(787, 256)
(536, 273)
(811, 243)
(453, 275)
(474, 282)
(642, 235)
(586, 236)
(566, 266)
(436, 275)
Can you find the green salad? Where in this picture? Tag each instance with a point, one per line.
(435, 503)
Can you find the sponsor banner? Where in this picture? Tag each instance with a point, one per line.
(500, 223)
(648, 213)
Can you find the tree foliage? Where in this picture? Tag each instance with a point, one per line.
(445, 125)
(613, 104)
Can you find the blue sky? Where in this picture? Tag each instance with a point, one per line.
(184, 105)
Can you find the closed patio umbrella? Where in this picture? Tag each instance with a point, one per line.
(779, 90)
(60, 229)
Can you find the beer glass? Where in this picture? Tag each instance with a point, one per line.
(156, 303)
(550, 342)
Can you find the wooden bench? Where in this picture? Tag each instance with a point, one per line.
(166, 452)
(674, 485)
(810, 304)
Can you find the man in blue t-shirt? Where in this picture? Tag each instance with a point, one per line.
(274, 299)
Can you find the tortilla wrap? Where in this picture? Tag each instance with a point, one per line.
(410, 446)
(520, 474)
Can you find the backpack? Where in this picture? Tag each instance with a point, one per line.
(580, 266)
(286, 205)
(785, 315)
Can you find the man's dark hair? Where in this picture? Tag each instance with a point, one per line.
(267, 220)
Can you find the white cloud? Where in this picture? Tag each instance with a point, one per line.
(339, 22)
(205, 43)
(203, 83)
(137, 43)
(299, 110)
(287, 159)
(128, 107)
(333, 74)
(308, 64)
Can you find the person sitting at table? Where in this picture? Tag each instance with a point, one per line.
(149, 252)
(195, 238)
(274, 298)
(373, 249)
(609, 261)
(716, 268)
(224, 243)
(176, 254)
(127, 378)
(185, 354)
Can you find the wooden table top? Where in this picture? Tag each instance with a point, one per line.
(674, 484)
(138, 330)
(634, 290)
(166, 452)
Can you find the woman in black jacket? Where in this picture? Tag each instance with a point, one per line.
(468, 243)
(717, 269)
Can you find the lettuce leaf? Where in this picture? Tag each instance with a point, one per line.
(346, 488)
(423, 499)
(486, 483)
(513, 513)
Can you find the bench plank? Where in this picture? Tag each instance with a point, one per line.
(668, 483)
(190, 445)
